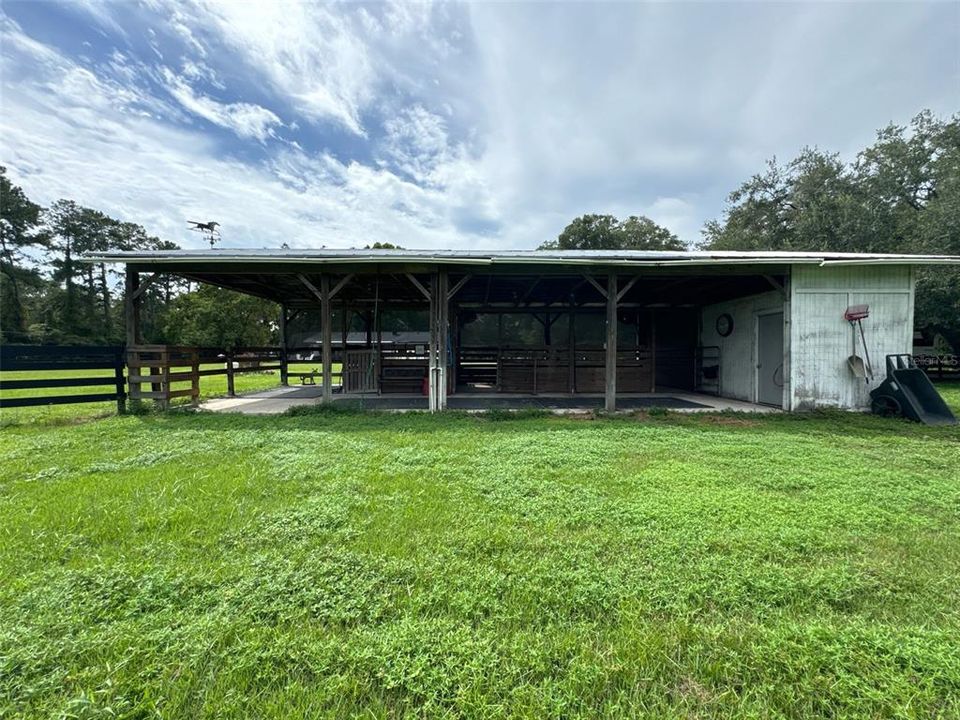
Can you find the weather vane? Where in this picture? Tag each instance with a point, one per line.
(209, 230)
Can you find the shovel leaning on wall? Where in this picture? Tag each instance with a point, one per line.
(855, 315)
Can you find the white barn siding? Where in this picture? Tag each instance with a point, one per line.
(821, 340)
(738, 351)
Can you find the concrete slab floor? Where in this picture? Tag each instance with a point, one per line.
(278, 400)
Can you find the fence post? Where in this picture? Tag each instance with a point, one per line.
(195, 378)
(164, 401)
(118, 376)
(284, 373)
(231, 391)
(284, 370)
(156, 385)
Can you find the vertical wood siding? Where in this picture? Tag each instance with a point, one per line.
(821, 340)
(738, 352)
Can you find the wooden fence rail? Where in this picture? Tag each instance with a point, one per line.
(62, 359)
(166, 372)
(155, 372)
(940, 367)
(174, 371)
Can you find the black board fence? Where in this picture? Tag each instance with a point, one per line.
(939, 367)
(113, 359)
(63, 359)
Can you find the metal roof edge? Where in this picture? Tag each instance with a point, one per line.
(671, 259)
(915, 260)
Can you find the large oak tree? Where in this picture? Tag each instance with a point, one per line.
(605, 232)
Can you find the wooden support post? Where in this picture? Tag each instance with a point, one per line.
(344, 332)
(344, 325)
(434, 344)
(378, 358)
(327, 331)
(131, 312)
(443, 336)
(284, 368)
(499, 350)
(653, 350)
(610, 396)
(572, 351)
(131, 308)
(231, 388)
(454, 348)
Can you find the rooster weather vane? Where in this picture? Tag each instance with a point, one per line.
(208, 229)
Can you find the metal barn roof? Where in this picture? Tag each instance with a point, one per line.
(639, 258)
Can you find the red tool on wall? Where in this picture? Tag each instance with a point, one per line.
(855, 314)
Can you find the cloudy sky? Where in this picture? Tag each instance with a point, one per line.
(485, 125)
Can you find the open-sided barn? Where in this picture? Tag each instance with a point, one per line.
(764, 327)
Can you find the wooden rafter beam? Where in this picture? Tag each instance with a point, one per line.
(773, 281)
(626, 288)
(567, 294)
(417, 284)
(340, 285)
(530, 289)
(294, 315)
(600, 288)
(256, 291)
(145, 285)
(311, 287)
(548, 319)
(456, 288)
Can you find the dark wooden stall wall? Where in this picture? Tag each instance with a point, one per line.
(546, 368)
(677, 333)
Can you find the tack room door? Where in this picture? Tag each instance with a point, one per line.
(770, 359)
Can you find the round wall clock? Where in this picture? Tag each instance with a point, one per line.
(724, 325)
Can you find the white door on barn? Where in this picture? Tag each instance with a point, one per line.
(770, 359)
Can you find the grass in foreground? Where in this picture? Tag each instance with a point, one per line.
(337, 564)
(951, 393)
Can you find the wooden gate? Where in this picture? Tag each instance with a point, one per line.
(359, 371)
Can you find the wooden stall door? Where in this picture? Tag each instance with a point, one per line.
(359, 371)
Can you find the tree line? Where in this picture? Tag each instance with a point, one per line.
(899, 195)
(49, 295)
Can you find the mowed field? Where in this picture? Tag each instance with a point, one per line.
(338, 564)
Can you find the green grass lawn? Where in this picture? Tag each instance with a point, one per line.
(339, 564)
(951, 393)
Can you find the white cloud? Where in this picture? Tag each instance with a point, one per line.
(490, 124)
(100, 12)
(308, 52)
(417, 142)
(678, 215)
(245, 119)
(69, 137)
